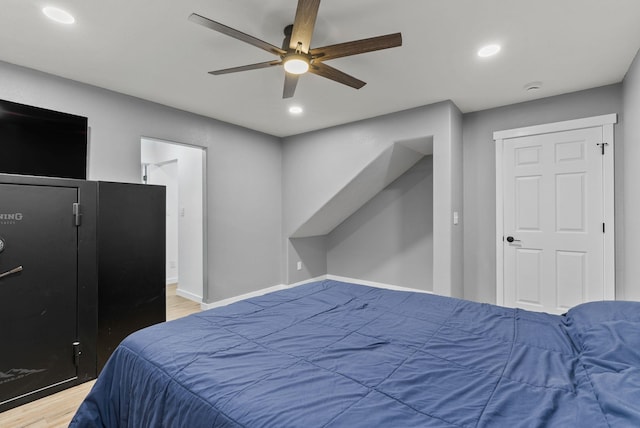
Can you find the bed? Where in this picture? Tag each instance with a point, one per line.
(345, 355)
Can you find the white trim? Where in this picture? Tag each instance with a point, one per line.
(499, 224)
(188, 295)
(609, 214)
(375, 284)
(205, 214)
(172, 281)
(308, 281)
(235, 299)
(225, 302)
(205, 226)
(567, 125)
(606, 122)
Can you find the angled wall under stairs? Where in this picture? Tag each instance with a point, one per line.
(330, 174)
(390, 164)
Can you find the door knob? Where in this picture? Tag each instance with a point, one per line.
(512, 239)
(11, 272)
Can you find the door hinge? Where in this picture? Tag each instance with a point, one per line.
(76, 213)
(77, 351)
(602, 146)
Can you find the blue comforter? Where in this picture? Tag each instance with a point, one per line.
(345, 355)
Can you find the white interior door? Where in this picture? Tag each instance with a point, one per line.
(554, 206)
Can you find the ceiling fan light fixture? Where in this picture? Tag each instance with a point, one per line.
(296, 55)
(296, 64)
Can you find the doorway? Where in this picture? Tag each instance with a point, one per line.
(182, 170)
(554, 196)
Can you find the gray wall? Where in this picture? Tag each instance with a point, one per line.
(630, 186)
(480, 182)
(318, 164)
(390, 239)
(457, 205)
(244, 169)
(260, 189)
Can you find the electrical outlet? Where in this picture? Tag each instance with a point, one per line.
(299, 265)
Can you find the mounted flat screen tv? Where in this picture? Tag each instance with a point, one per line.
(37, 141)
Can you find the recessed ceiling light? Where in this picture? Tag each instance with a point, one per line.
(488, 50)
(58, 15)
(295, 109)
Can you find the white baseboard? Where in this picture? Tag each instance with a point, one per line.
(188, 295)
(230, 300)
(171, 281)
(264, 291)
(375, 284)
(308, 281)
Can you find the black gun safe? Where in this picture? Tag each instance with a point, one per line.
(82, 265)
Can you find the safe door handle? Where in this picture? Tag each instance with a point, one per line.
(511, 239)
(11, 272)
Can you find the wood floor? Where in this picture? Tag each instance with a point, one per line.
(57, 410)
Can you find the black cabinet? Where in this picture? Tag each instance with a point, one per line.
(82, 265)
(47, 287)
(131, 262)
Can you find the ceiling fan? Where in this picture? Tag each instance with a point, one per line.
(296, 54)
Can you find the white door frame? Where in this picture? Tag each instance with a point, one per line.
(205, 215)
(606, 122)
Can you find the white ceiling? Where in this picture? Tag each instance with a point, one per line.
(148, 49)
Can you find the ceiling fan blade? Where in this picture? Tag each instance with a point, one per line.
(290, 82)
(322, 69)
(246, 67)
(303, 25)
(221, 28)
(357, 47)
